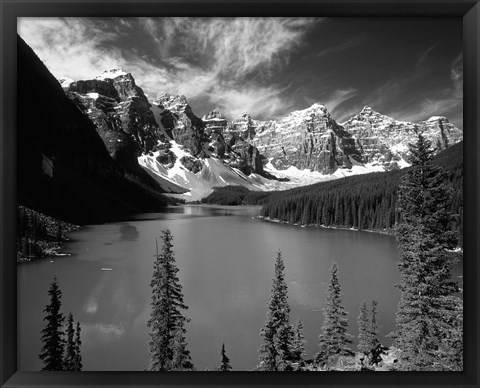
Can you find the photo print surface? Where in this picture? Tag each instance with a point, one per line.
(240, 194)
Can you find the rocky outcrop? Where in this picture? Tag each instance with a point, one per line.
(192, 164)
(232, 142)
(215, 127)
(307, 139)
(242, 127)
(384, 140)
(121, 113)
(180, 123)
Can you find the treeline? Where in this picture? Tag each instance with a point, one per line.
(236, 195)
(39, 235)
(362, 201)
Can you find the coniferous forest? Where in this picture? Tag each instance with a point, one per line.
(39, 235)
(362, 201)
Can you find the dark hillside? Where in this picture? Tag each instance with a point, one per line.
(63, 168)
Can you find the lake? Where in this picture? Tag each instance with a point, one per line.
(226, 260)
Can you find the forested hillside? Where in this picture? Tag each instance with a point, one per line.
(39, 235)
(236, 195)
(360, 202)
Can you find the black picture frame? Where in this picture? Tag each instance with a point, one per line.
(469, 10)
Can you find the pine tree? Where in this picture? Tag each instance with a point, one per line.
(180, 356)
(167, 345)
(373, 326)
(70, 351)
(277, 333)
(364, 343)
(424, 234)
(225, 362)
(298, 347)
(52, 334)
(77, 365)
(334, 339)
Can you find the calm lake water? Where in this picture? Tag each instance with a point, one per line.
(226, 259)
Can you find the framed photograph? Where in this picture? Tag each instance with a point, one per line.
(284, 191)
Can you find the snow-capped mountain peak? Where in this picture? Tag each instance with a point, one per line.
(111, 74)
(437, 118)
(215, 114)
(171, 101)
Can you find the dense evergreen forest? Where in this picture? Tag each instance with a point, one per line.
(361, 201)
(236, 195)
(39, 235)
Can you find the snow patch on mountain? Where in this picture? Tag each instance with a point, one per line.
(189, 185)
(93, 95)
(111, 74)
(65, 82)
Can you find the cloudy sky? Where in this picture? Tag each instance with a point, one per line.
(410, 69)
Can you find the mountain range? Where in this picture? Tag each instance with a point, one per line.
(161, 145)
(188, 155)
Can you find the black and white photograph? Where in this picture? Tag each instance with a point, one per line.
(240, 194)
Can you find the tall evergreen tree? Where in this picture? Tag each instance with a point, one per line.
(334, 339)
(373, 326)
(70, 348)
(364, 342)
(298, 347)
(52, 334)
(167, 345)
(225, 362)
(277, 333)
(180, 356)
(77, 365)
(424, 234)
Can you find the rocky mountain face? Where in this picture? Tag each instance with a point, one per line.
(209, 136)
(121, 113)
(306, 139)
(215, 128)
(64, 168)
(384, 140)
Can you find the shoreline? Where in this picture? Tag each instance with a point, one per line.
(384, 232)
(378, 231)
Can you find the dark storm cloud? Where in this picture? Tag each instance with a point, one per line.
(409, 69)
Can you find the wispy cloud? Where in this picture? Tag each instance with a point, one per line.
(445, 102)
(337, 99)
(210, 58)
(424, 57)
(346, 45)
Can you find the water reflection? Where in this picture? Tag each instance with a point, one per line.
(128, 233)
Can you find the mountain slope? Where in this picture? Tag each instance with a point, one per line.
(64, 168)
